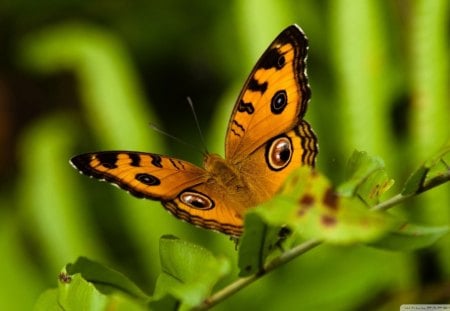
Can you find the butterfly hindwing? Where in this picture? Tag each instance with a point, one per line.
(278, 157)
(274, 97)
(220, 215)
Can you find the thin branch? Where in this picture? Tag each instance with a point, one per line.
(436, 181)
(243, 282)
(399, 198)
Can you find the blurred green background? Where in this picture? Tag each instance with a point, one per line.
(79, 76)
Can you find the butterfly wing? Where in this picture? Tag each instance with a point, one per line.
(278, 157)
(144, 175)
(220, 213)
(186, 190)
(274, 97)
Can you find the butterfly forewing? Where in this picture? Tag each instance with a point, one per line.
(274, 97)
(145, 175)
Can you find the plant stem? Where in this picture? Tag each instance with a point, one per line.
(385, 205)
(399, 198)
(243, 282)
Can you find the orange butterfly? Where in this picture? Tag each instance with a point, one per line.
(266, 140)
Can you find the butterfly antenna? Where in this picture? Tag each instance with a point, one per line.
(191, 104)
(159, 130)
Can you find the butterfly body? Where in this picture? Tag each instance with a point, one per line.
(266, 140)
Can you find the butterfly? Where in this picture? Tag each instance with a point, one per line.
(267, 138)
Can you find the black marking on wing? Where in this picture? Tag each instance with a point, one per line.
(295, 36)
(177, 164)
(174, 164)
(279, 102)
(135, 159)
(156, 160)
(255, 86)
(82, 163)
(272, 59)
(148, 179)
(309, 143)
(108, 159)
(238, 125)
(246, 107)
(235, 133)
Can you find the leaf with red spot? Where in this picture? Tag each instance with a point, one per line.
(323, 213)
(309, 205)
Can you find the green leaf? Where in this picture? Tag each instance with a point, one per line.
(189, 273)
(308, 204)
(258, 242)
(87, 285)
(432, 170)
(105, 279)
(411, 237)
(75, 293)
(415, 181)
(79, 294)
(367, 178)
(48, 300)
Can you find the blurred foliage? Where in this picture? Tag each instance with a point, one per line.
(79, 76)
